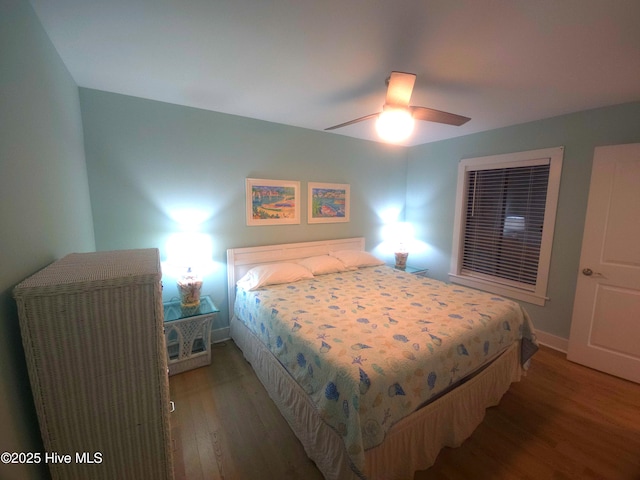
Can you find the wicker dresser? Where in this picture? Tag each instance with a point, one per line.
(92, 329)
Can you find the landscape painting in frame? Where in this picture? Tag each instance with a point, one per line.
(272, 202)
(328, 203)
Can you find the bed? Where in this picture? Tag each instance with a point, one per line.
(375, 369)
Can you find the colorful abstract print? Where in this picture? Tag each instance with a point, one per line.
(373, 345)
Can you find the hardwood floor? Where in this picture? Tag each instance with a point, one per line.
(561, 421)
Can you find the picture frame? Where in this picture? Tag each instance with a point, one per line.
(328, 202)
(272, 202)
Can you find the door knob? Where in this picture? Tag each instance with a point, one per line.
(587, 271)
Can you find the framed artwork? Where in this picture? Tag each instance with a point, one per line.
(272, 202)
(328, 203)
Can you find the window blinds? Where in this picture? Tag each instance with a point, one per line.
(505, 210)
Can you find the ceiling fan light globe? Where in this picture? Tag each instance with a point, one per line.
(395, 125)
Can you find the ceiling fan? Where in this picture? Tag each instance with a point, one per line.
(395, 122)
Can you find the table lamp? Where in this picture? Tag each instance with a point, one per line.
(188, 256)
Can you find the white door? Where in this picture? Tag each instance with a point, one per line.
(605, 327)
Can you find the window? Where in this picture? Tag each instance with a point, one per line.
(504, 219)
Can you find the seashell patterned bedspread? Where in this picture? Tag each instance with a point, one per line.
(371, 346)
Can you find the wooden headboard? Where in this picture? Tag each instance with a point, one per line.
(241, 260)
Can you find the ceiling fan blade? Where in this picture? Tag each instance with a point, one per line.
(431, 115)
(400, 88)
(366, 117)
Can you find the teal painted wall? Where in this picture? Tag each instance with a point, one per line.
(44, 195)
(148, 160)
(431, 192)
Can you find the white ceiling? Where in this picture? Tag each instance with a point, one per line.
(318, 63)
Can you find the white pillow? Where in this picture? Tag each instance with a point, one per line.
(356, 258)
(273, 274)
(322, 264)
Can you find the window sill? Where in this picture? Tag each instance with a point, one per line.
(514, 293)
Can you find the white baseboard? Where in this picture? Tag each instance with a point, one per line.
(220, 335)
(552, 341)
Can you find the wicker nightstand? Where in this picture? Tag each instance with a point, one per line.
(188, 334)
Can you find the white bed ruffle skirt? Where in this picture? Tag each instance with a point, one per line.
(412, 444)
